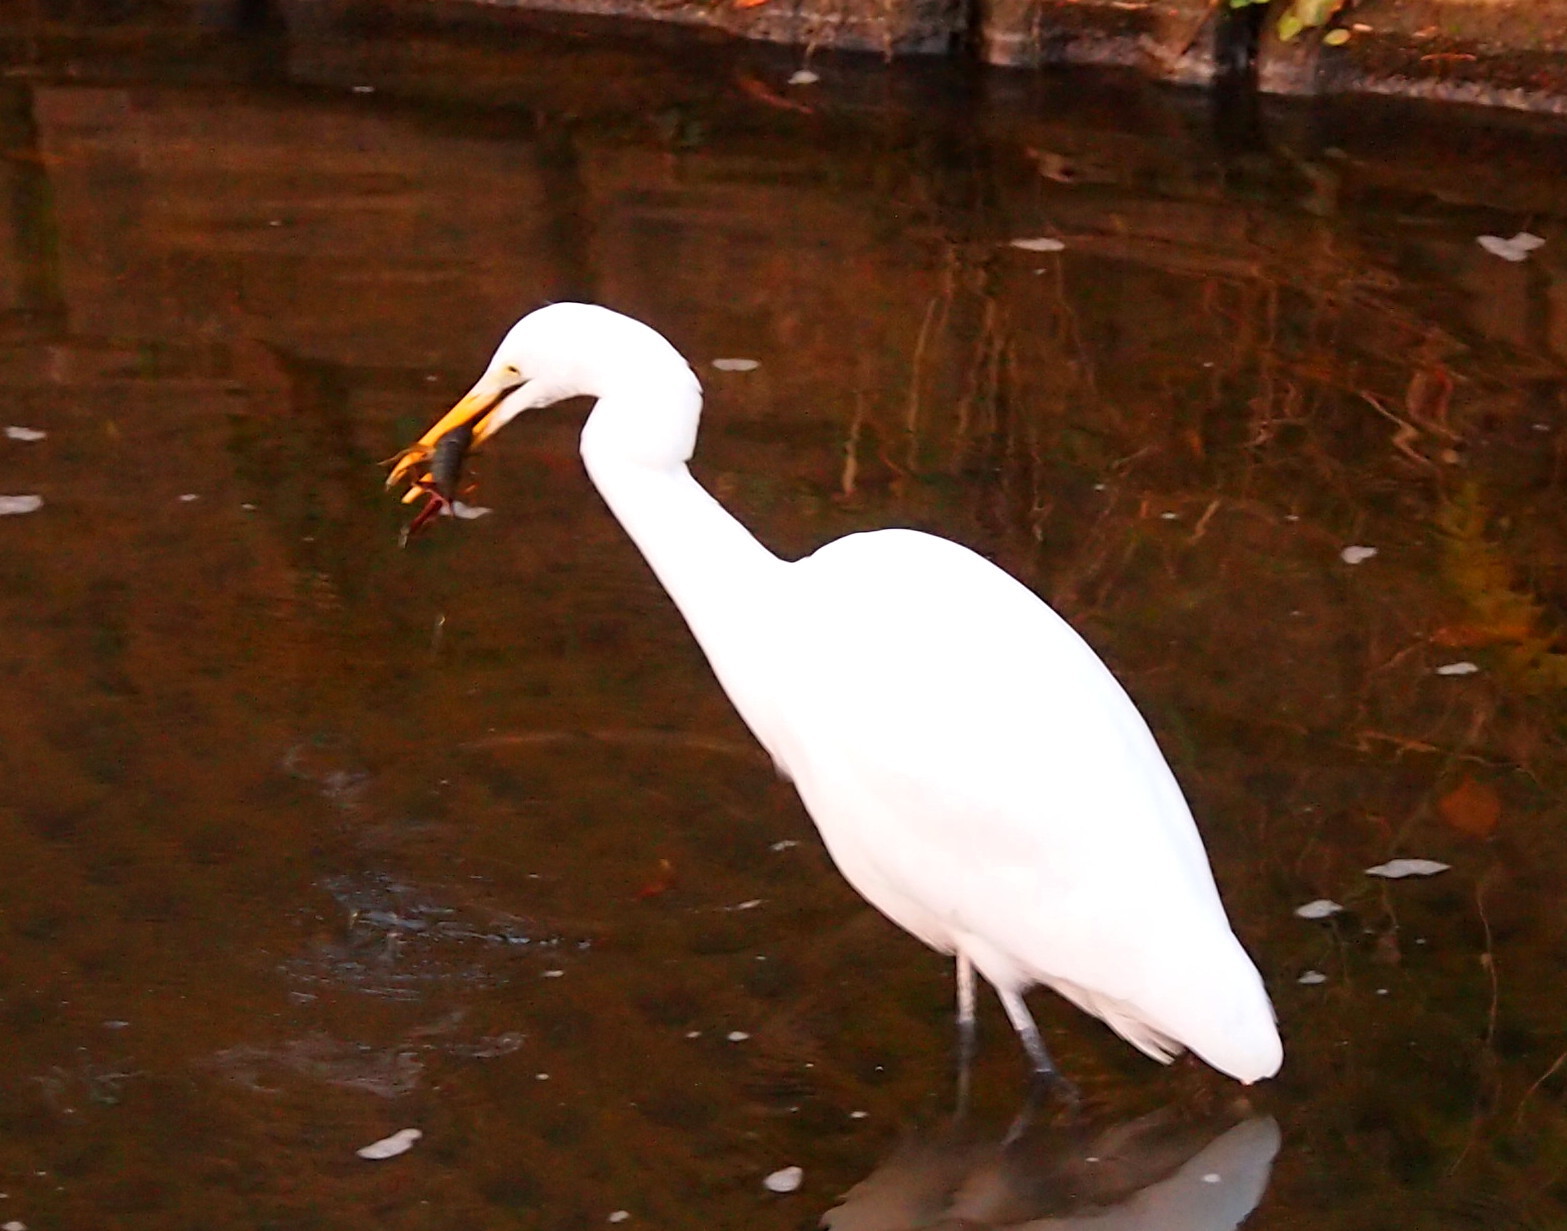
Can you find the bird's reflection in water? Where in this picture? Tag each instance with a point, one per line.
(1154, 1173)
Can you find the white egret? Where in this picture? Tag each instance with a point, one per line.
(974, 769)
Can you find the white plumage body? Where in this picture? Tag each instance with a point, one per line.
(974, 769)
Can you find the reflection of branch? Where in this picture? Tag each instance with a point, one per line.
(1488, 958)
(1202, 522)
(1406, 433)
(683, 740)
(1488, 1050)
(1538, 1082)
(849, 475)
(916, 368)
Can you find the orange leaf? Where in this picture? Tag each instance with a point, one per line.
(1471, 808)
(759, 91)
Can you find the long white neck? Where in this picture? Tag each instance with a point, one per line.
(717, 574)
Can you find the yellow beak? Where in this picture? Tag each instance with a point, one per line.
(475, 405)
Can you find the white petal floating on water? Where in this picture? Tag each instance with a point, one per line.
(1357, 555)
(20, 504)
(804, 76)
(399, 1142)
(1397, 869)
(1462, 668)
(469, 512)
(619, 1216)
(783, 844)
(736, 365)
(1514, 249)
(188, 497)
(24, 433)
(1310, 977)
(737, 1036)
(1040, 243)
(784, 1180)
(1320, 909)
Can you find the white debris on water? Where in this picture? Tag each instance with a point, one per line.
(1397, 869)
(12, 505)
(804, 76)
(619, 1216)
(1517, 248)
(24, 433)
(784, 1180)
(1310, 977)
(737, 1036)
(1039, 243)
(1320, 909)
(469, 512)
(1356, 554)
(399, 1142)
(736, 365)
(783, 844)
(1458, 668)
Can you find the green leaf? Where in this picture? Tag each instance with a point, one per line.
(1310, 13)
(1289, 27)
(1336, 38)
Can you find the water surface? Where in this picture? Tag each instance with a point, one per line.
(307, 839)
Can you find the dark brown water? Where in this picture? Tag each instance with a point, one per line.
(306, 839)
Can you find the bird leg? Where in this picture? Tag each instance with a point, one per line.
(1046, 1075)
(1023, 1022)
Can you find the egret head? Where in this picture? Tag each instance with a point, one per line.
(568, 350)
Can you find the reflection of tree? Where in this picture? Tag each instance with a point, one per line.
(34, 237)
